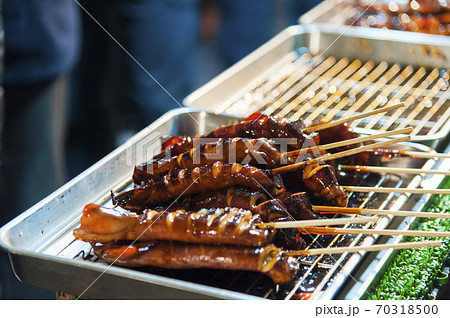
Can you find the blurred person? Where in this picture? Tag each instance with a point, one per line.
(138, 62)
(41, 48)
(243, 26)
(297, 8)
(246, 25)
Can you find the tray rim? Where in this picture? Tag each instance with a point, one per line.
(154, 279)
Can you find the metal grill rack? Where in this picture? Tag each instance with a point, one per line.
(326, 72)
(325, 88)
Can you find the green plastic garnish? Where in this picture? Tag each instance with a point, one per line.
(413, 271)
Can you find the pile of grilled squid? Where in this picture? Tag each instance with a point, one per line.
(204, 205)
(425, 16)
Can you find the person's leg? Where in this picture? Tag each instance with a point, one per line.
(162, 37)
(297, 8)
(90, 137)
(246, 25)
(32, 161)
(33, 141)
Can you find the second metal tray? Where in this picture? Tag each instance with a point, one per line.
(329, 71)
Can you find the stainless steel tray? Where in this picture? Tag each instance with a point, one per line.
(37, 239)
(43, 251)
(250, 83)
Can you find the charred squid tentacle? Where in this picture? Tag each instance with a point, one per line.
(236, 197)
(225, 226)
(259, 125)
(259, 152)
(198, 180)
(269, 259)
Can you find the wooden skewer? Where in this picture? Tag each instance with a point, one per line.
(375, 247)
(320, 222)
(351, 118)
(392, 170)
(417, 154)
(336, 230)
(337, 155)
(396, 190)
(348, 142)
(343, 210)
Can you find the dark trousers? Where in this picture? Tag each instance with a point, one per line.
(116, 91)
(32, 162)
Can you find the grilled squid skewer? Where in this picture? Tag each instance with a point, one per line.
(258, 125)
(236, 197)
(268, 259)
(285, 208)
(198, 180)
(174, 145)
(236, 150)
(226, 226)
(320, 183)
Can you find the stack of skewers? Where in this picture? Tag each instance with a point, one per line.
(247, 199)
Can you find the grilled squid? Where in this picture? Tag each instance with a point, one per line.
(258, 125)
(174, 145)
(320, 182)
(236, 197)
(296, 206)
(289, 208)
(236, 150)
(198, 180)
(268, 259)
(225, 226)
(275, 211)
(425, 16)
(299, 207)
